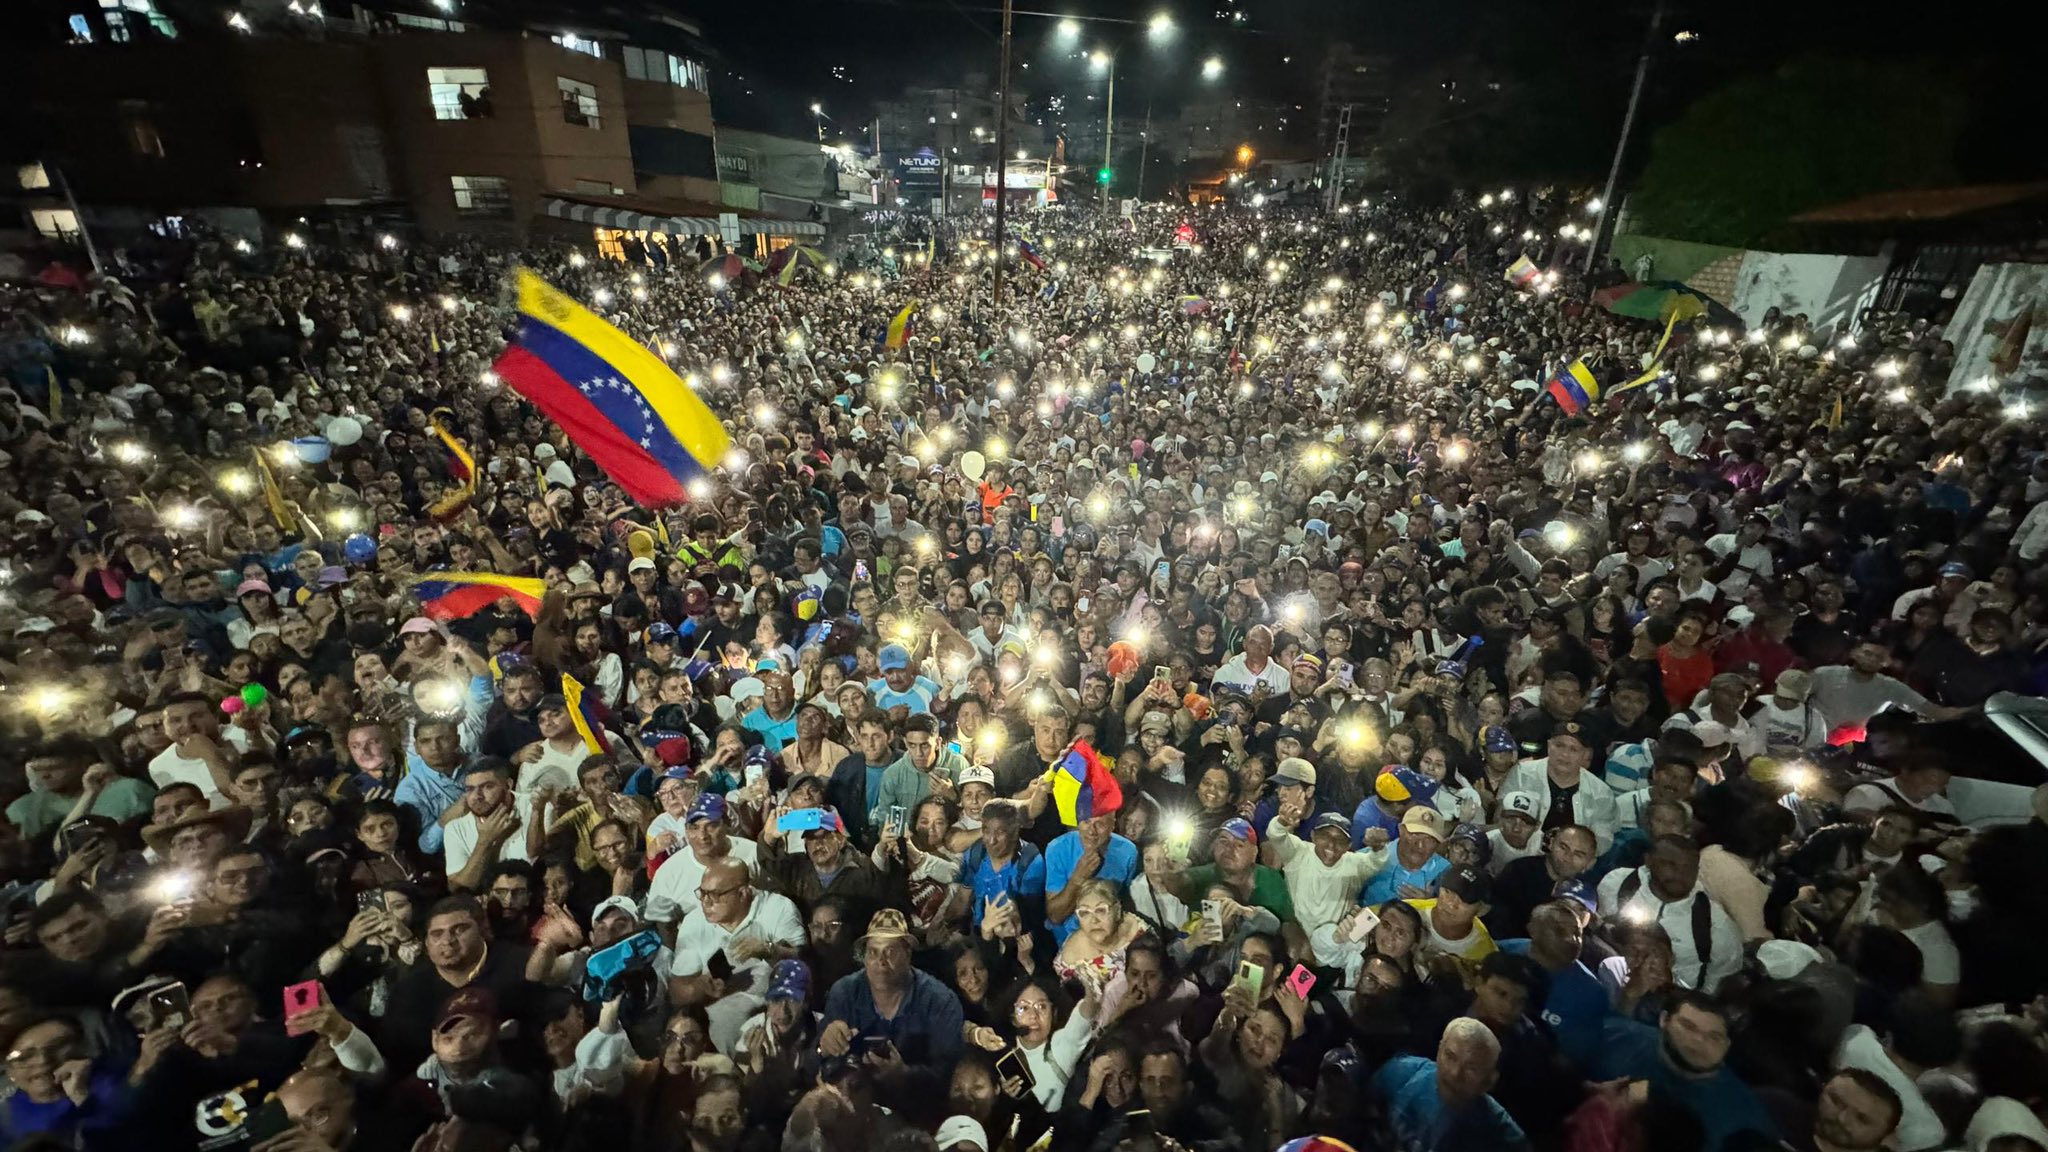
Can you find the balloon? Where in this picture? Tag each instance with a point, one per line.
(254, 695)
(344, 430)
(641, 544)
(1123, 659)
(360, 549)
(973, 465)
(1147, 362)
(313, 449)
(232, 705)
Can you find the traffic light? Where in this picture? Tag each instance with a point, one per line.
(1104, 176)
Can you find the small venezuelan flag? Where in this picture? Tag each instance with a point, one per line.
(899, 328)
(1522, 272)
(629, 411)
(1029, 252)
(1083, 787)
(1574, 388)
(586, 714)
(461, 466)
(454, 595)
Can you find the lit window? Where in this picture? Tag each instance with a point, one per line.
(56, 223)
(459, 93)
(579, 103)
(488, 197)
(32, 176)
(430, 23)
(575, 43)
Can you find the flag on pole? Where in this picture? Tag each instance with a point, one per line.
(455, 595)
(1522, 272)
(461, 465)
(1193, 305)
(273, 496)
(1574, 388)
(899, 328)
(617, 401)
(1029, 252)
(586, 714)
(56, 394)
(1083, 787)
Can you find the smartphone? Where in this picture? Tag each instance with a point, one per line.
(897, 813)
(953, 746)
(801, 820)
(1212, 911)
(860, 571)
(169, 1007)
(1011, 1065)
(1162, 673)
(874, 1046)
(1344, 675)
(1301, 981)
(1252, 976)
(1059, 526)
(1362, 925)
(374, 898)
(267, 1122)
(299, 999)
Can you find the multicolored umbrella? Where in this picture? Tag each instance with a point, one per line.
(1657, 299)
(731, 265)
(784, 262)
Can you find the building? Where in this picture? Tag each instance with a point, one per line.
(926, 129)
(452, 125)
(1362, 80)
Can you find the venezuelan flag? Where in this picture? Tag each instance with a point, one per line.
(454, 595)
(587, 714)
(1083, 787)
(1574, 388)
(899, 328)
(1193, 305)
(1522, 272)
(1029, 252)
(617, 400)
(461, 465)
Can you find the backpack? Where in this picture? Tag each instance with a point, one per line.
(1702, 916)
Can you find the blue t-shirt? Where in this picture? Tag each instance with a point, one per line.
(1423, 1123)
(1022, 879)
(1574, 1009)
(774, 733)
(1120, 866)
(1369, 815)
(1387, 885)
(918, 697)
(1722, 1103)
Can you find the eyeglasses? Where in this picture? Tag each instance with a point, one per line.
(53, 1053)
(719, 893)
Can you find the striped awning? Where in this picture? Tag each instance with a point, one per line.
(605, 217)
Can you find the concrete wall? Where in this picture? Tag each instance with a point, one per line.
(1826, 288)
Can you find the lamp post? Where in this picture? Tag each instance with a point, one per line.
(1107, 62)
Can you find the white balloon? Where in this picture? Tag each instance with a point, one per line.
(973, 465)
(344, 431)
(1147, 362)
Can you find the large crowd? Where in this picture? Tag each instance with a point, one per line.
(1488, 776)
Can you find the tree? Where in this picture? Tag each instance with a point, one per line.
(1819, 130)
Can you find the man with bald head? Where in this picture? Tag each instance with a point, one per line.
(322, 1108)
(1442, 1105)
(1254, 668)
(750, 928)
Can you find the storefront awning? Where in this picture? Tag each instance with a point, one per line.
(607, 217)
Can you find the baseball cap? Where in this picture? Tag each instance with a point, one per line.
(248, 586)
(1785, 959)
(892, 657)
(1956, 568)
(710, 806)
(640, 564)
(828, 821)
(624, 904)
(1713, 734)
(1573, 730)
(1238, 828)
(1577, 890)
(1156, 722)
(1295, 770)
(552, 702)
(791, 980)
(1795, 684)
(1468, 884)
(961, 1131)
(1499, 739)
(977, 774)
(1400, 782)
(415, 625)
(1523, 804)
(1424, 820)
(1331, 820)
(472, 1002)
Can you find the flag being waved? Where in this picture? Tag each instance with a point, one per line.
(586, 714)
(454, 595)
(1522, 272)
(899, 328)
(1083, 787)
(1574, 388)
(616, 400)
(461, 465)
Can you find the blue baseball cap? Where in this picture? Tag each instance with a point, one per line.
(1238, 828)
(1577, 889)
(892, 657)
(660, 632)
(1499, 739)
(791, 981)
(710, 806)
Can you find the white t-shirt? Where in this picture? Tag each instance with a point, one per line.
(556, 769)
(1886, 793)
(1789, 732)
(1505, 853)
(170, 768)
(1846, 698)
(672, 894)
(1940, 963)
(771, 917)
(1755, 560)
(459, 839)
(1919, 1128)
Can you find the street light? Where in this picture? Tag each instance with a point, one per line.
(1070, 30)
(1161, 25)
(1212, 68)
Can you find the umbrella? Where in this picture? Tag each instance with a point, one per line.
(730, 265)
(784, 262)
(1651, 301)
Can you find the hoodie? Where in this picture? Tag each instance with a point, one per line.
(903, 783)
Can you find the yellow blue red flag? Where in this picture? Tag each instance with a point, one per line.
(899, 328)
(1574, 388)
(586, 714)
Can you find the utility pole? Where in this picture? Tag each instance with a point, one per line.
(1628, 122)
(1144, 147)
(1108, 130)
(1002, 158)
